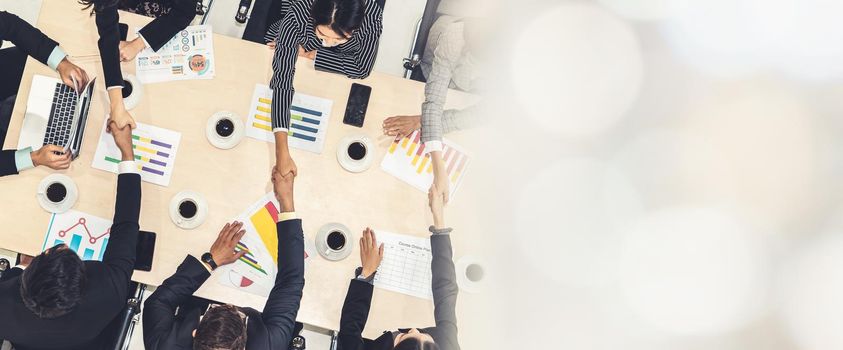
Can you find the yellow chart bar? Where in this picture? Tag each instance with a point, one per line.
(146, 149)
(262, 126)
(264, 109)
(262, 117)
(264, 100)
(392, 147)
(423, 163)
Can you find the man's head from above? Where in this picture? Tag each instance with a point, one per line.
(412, 339)
(53, 283)
(335, 20)
(222, 327)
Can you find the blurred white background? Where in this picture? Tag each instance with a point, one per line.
(670, 171)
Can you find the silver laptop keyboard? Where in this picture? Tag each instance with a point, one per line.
(61, 116)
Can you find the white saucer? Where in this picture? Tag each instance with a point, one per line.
(466, 284)
(134, 99)
(224, 142)
(322, 245)
(347, 163)
(69, 199)
(201, 210)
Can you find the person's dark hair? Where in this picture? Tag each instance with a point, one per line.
(343, 16)
(415, 344)
(53, 283)
(221, 328)
(98, 4)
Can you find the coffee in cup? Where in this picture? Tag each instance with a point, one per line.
(56, 192)
(127, 88)
(225, 127)
(188, 209)
(336, 240)
(357, 150)
(474, 272)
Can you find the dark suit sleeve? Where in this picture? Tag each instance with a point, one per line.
(163, 28)
(7, 163)
(445, 291)
(26, 37)
(119, 256)
(160, 308)
(279, 313)
(108, 27)
(355, 313)
(11, 273)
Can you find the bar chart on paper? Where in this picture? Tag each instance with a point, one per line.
(406, 265)
(406, 160)
(309, 116)
(155, 153)
(85, 234)
(255, 271)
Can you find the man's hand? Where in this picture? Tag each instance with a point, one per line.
(121, 117)
(283, 188)
(402, 125)
(45, 156)
(122, 138)
(70, 72)
(222, 251)
(440, 176)
(436, 203)
(130, 49)
(285, 165)
(307, 54)
(370, 254)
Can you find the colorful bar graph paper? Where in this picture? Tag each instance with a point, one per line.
(308, 119)
(155, 152)
(409, 160)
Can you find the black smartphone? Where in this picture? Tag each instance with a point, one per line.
(124, 30)
(145, 251)
(358, 102)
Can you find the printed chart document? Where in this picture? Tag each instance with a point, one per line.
(155, 152)
(406, 265)
(255, 272)
(85, 234)
(188, 55)
(406, 160)
(309, 116)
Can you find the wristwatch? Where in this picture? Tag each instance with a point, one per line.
(359, 273)
(208, 259)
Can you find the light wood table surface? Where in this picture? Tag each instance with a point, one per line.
(231, 180)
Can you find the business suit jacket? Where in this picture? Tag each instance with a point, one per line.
(29, 39)
(156, 33)
(355, 310)
(7, 163)
(32, 42)
(105, 290)
(272, 329)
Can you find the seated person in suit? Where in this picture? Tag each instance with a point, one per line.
(355, 310)
(449, 61)
(59, 301)
(340, 36)
(229, 326)
(172, 16)
(29, 41)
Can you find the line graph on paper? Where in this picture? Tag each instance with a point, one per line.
(83, 233)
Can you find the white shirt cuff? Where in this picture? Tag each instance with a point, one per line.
(290, 215)
(284, 130)
(432, 146)
(56, 57)
(127, 167)
(23, 159)
(114, 87)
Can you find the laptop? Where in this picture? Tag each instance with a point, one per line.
(55, 115)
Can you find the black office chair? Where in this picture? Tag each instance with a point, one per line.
(412, 63)
(120, 329)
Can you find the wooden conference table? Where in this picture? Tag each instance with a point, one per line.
(231, 180)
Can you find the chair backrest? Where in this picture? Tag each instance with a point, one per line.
(428, 18)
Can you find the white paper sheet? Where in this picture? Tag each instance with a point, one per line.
(85, 234)
(188, 55)
(309, 120)
(406, 265)
(155, 152)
